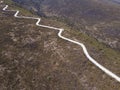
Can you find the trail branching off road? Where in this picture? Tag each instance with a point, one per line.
(105, 70)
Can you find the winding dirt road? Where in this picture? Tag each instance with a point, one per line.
(108, 72)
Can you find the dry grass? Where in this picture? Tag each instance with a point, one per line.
(34, 58)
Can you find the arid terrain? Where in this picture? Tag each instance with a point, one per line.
(97, 18)
(35, 58)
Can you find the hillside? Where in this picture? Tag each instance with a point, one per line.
(97, 18)
(35, 58)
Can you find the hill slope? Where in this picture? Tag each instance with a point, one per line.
(32, 57)
(98, 18)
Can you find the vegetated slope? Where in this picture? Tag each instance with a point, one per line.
(35, 58)
(98, 18)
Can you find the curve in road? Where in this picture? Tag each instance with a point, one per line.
(108, 72)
